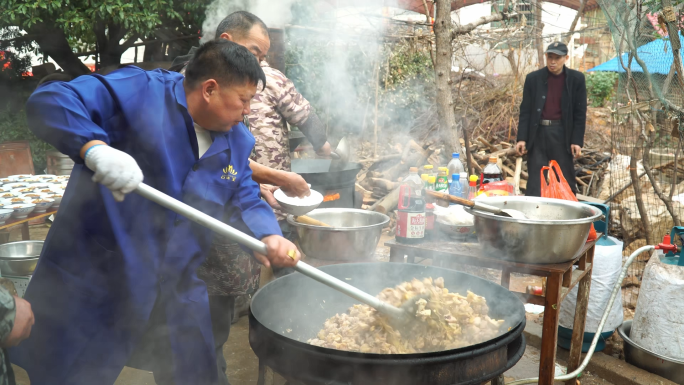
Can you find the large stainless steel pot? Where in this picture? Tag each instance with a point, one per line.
(645, 359)
(352, 235)
(554, 233)
(19, 258)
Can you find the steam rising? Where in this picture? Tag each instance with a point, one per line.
(274, 13)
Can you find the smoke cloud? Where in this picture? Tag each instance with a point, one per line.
(274, 13)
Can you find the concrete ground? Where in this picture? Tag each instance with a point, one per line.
(243, 364)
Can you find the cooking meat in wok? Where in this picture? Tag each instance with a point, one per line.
(445, 321)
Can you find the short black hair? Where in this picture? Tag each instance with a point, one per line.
(239, 24)
(224, 61)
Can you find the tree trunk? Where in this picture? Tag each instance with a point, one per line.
(670, 17)
(53, 43)
(443, 29)
(539, 28)
(108, 39)
(154, 52)
(510, 55)
(636, 183)
(579, 14)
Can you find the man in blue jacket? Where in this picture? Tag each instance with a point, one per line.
(118, 276)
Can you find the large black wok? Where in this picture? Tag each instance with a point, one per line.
(317, 172)
(292, 309)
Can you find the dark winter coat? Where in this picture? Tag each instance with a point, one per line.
(573, 106)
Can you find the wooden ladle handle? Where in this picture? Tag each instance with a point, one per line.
(451, 198)
(310, 221)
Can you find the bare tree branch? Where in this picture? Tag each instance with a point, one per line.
(580, 13)
(498, 16)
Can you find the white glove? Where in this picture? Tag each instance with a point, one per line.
(115, 169)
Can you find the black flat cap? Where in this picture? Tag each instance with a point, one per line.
(558, 48)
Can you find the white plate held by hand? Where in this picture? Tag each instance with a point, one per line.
(298, 206)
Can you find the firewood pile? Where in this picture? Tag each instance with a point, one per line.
(379, 181)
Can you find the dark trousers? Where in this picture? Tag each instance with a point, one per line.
(156, 357)
(221, 308)
(550, 144)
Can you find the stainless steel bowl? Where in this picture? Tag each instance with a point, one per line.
(19, 258)
(353, 234)
(645, 359)
(555, 232)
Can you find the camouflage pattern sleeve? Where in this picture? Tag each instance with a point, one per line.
(7, 313)
(289, 102)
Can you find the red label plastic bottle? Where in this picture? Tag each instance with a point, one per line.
(411, 218)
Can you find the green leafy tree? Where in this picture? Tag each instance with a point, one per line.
(600, 87)
(60, 27)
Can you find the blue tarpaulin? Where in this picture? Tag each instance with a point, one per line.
(657, 55)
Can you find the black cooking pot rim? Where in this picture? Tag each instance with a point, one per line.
(476, 349)
(504, 338)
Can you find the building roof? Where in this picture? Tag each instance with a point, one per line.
(657, 55)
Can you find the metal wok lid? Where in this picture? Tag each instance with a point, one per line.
(295, 307)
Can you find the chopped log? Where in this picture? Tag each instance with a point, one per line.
(384, 183)
(412, 148)
(580, 181)
(505, 144)
(475, 165)
(516, 176)
(506, 152)
(361, 188)
(490, 146)
(388, 203)
(507, 170)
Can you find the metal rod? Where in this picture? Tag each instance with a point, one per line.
(201, 218)
(252, 243)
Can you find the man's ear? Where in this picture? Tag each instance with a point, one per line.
(226, 36)
(209, 88)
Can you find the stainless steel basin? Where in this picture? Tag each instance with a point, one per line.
(353, 234)
(555, 232)
(652, 362)
(19, 258)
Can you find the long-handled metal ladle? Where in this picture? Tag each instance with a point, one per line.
(477, 205)
(403, 313)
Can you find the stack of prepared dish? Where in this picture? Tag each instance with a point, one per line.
(21, 195)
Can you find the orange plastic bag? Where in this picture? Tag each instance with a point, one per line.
(558, 187)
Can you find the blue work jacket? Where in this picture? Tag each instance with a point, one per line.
(105, 264)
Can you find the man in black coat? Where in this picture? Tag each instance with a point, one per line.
(553, 116)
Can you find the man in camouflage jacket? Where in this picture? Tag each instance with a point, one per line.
(16, 320)
(229, 271)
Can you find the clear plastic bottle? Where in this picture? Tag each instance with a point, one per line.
(411, 210)
(463, 180)
(415, 180)
(455, 187)
(472, 188)
(425, 178)
(455, 166)
(492, 172)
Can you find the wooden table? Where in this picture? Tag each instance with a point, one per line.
(24, 223)
(560, 279)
